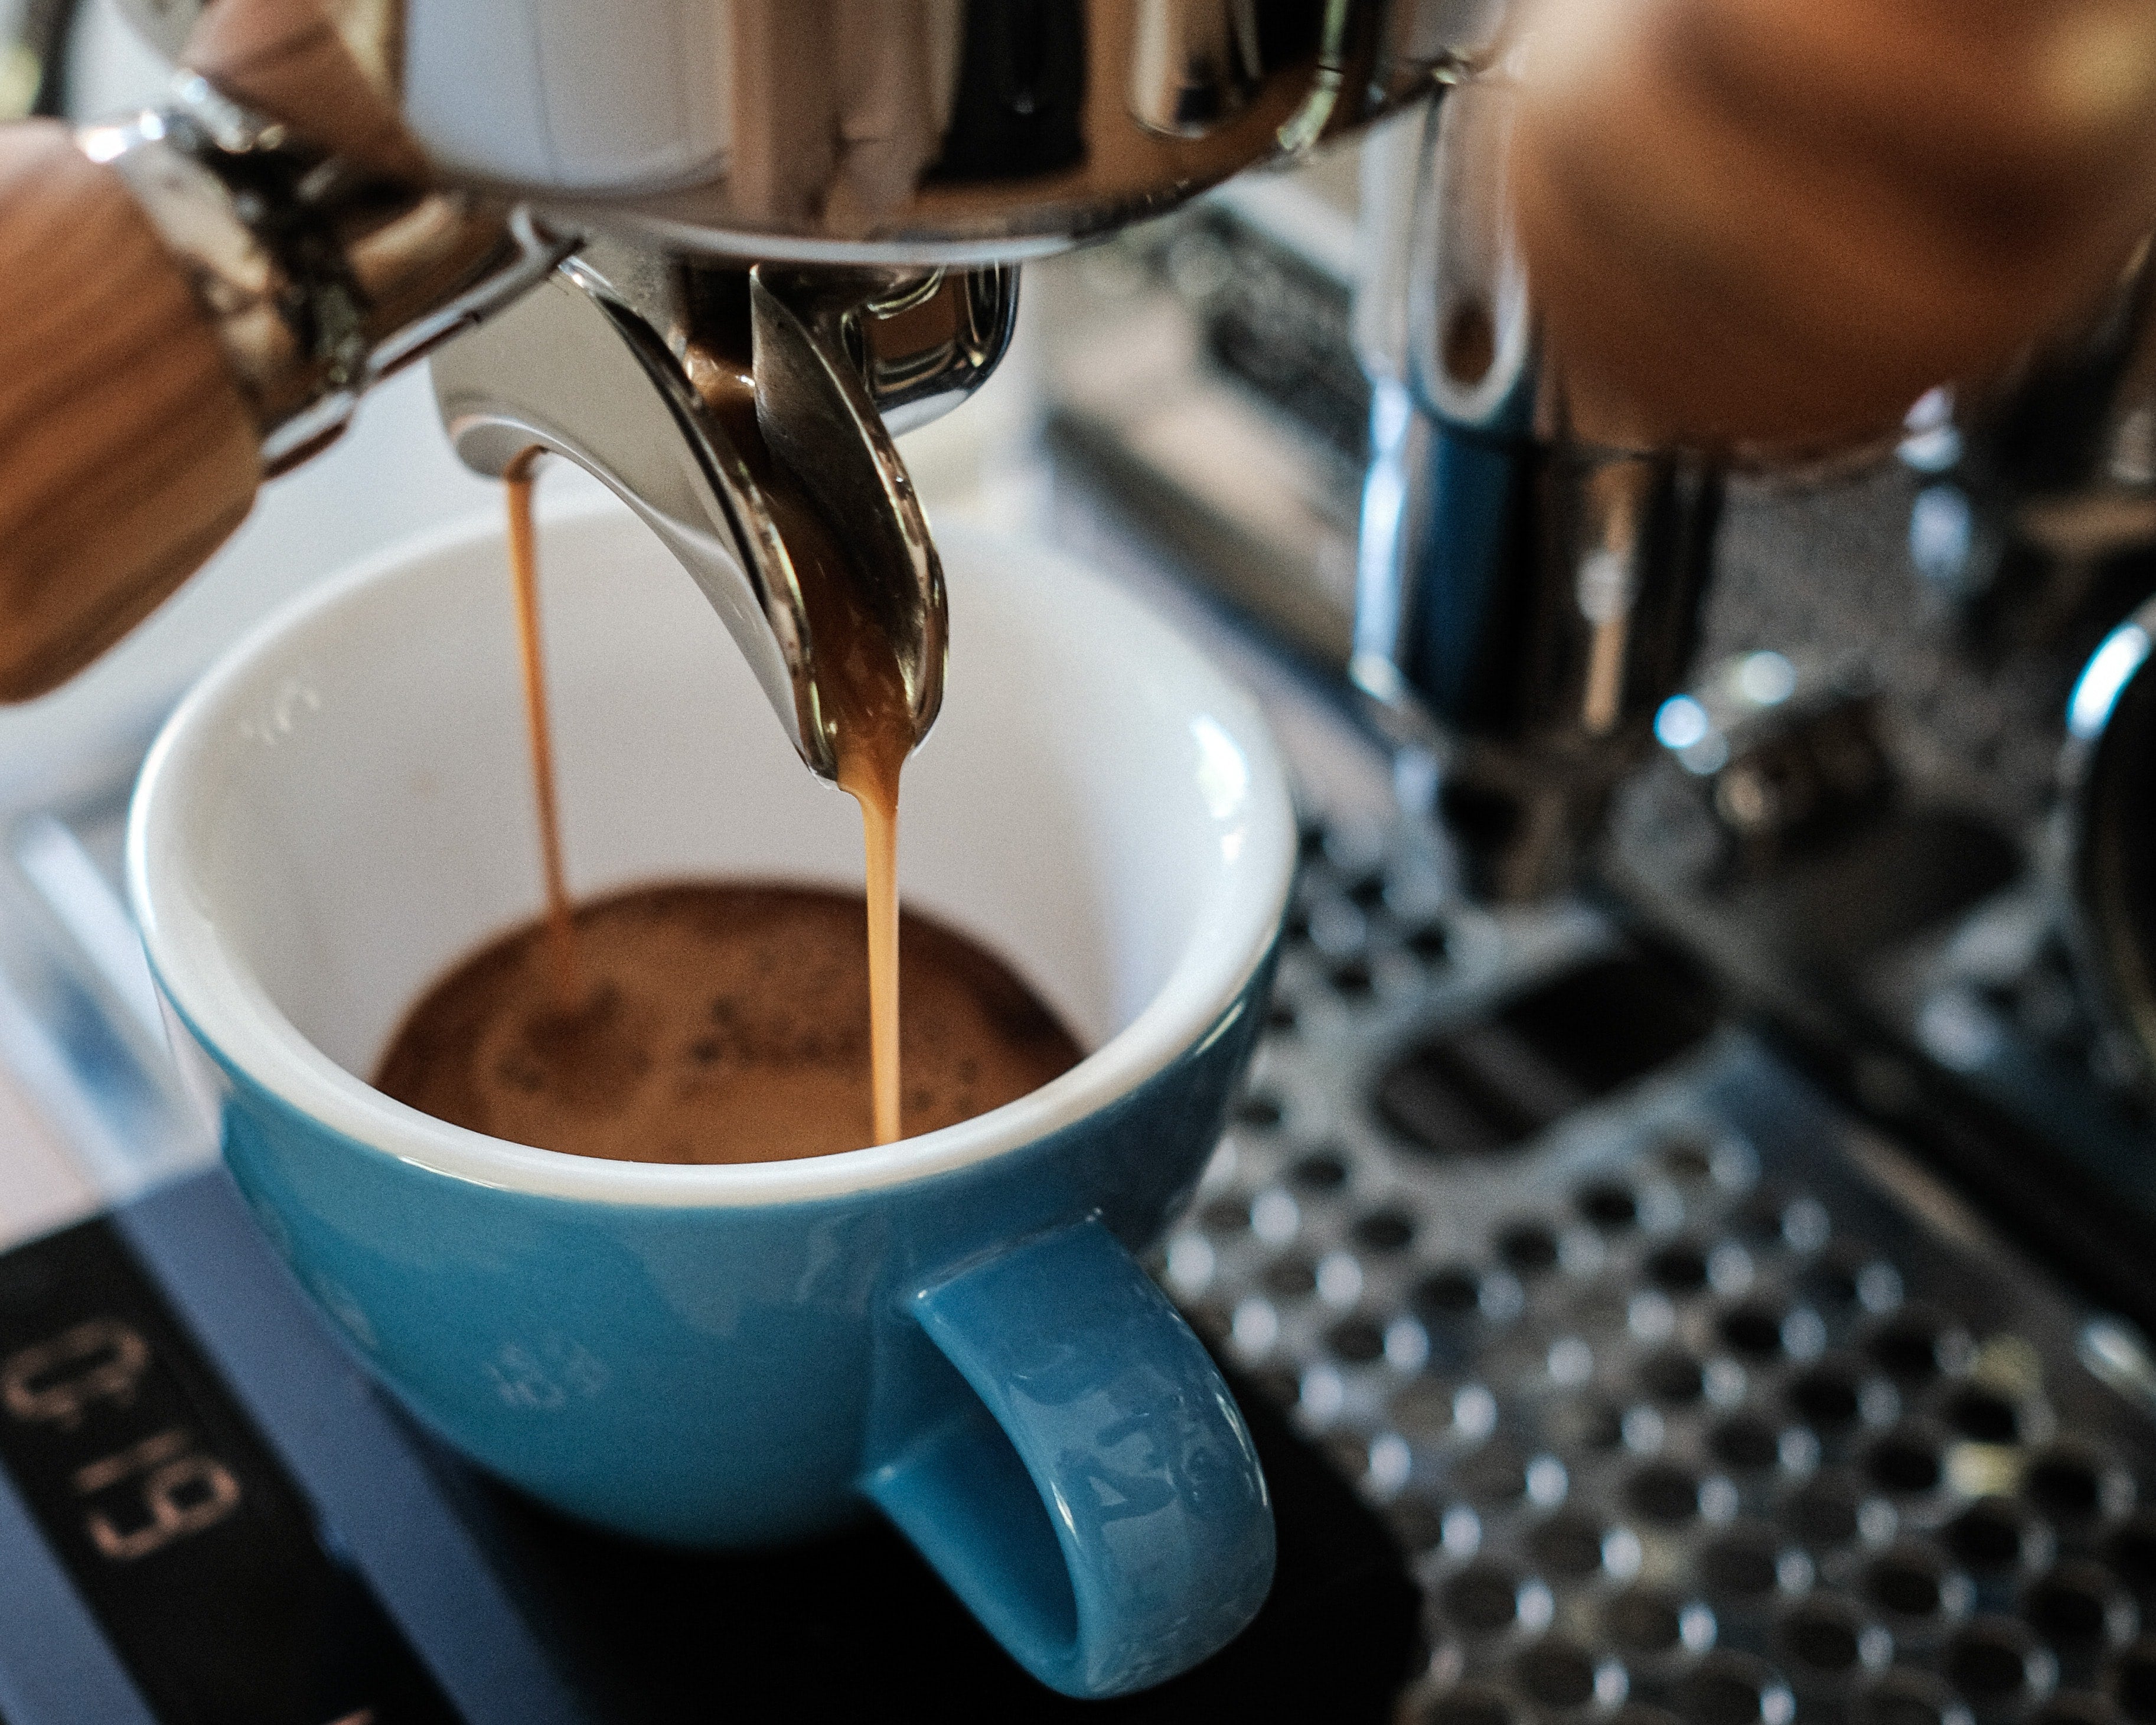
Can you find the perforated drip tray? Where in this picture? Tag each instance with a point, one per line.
(1689, 1396)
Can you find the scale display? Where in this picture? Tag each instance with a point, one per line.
(177, 1523)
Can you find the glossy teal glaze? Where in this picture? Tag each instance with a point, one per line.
(1159, 1536)
(740, 1375)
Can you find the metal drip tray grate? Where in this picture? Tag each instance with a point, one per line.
(1688, 1396)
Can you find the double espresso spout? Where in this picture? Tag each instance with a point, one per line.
(741, 411)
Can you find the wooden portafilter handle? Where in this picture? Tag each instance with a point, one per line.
(127, 453)
(1771, 225)
(192, 297)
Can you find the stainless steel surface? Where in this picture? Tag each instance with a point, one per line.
(816, 412)
(930, 341)
(857, 130)
(1527, 598)
(1549, 608)
(572, 370)
(1199, 369)
(82, 1039)
(319, 280)
(1472, 354)
(1704, 1400)
(2110, 810)
(2033, 493)
(1192, 67)
(623, 363)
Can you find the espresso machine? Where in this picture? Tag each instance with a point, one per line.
(1635, 1187)
(1681, 1242)
(821, 207)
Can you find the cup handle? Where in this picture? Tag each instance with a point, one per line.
(1099, 1507)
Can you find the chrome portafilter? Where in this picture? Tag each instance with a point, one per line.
(795, 225)
(691, 389)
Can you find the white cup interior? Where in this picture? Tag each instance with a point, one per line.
(345, 808)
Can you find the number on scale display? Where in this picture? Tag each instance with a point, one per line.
(139, 1499)
(178, 1524)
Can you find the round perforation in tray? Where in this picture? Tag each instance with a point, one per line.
(1670, 1438)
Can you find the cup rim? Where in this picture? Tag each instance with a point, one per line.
(227, 1011)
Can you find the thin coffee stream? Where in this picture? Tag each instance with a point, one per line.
(721, 1023)
(538, 728)
(866, 709)
(708, 1023)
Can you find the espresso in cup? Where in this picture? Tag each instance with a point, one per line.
(716, 1022)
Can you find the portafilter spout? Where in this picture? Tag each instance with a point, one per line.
(693, 391)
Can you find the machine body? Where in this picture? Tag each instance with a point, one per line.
(827, 197)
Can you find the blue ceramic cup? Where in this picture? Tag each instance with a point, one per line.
(950, 1328)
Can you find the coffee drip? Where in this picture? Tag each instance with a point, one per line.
(538, 727)
(865, 707)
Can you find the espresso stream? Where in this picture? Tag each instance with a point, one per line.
(538, 728)
(701, 1023)
(860, 687)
